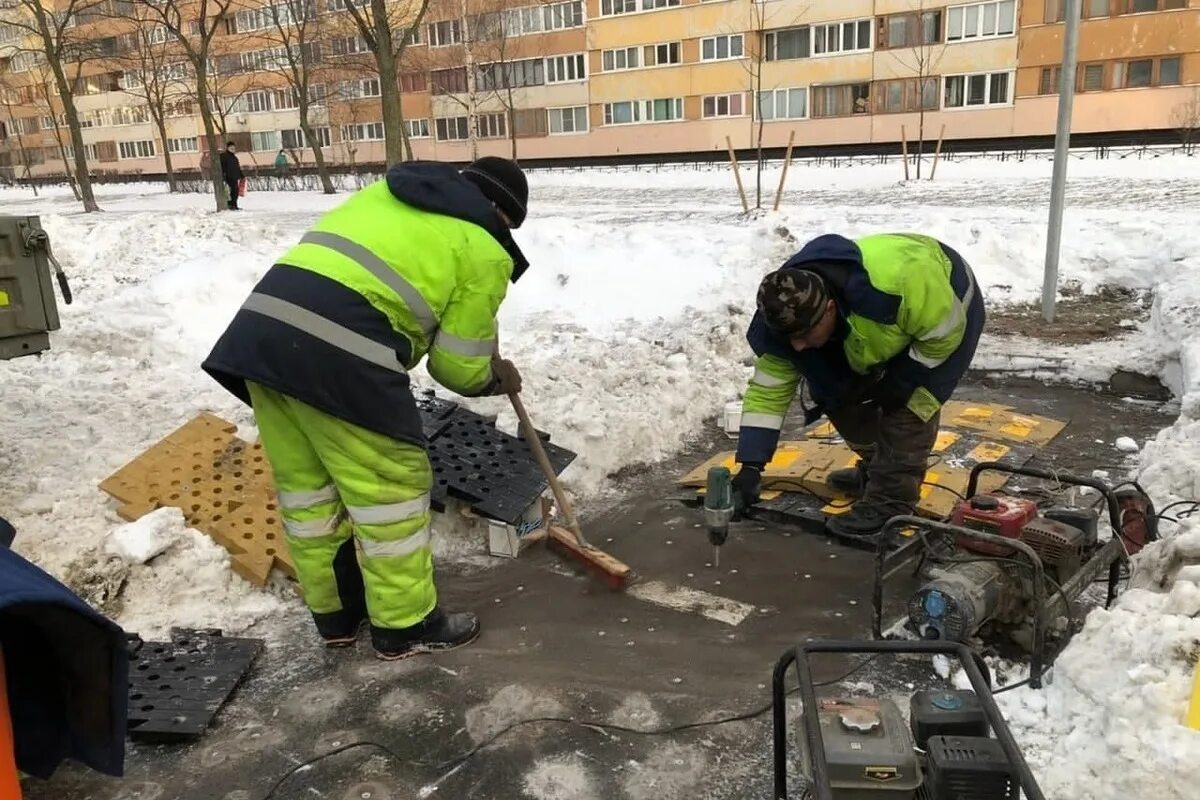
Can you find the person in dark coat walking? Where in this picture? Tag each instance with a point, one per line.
(231, 170)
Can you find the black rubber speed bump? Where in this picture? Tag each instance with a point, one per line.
(177, 687)
(435, 413)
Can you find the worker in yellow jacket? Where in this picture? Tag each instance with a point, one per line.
(416, 264)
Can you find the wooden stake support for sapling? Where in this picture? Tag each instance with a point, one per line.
(787, 160)
(737, 175)
(937, 151)
(904, 150)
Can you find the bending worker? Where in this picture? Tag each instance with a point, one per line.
(415, 264)
(882, 329)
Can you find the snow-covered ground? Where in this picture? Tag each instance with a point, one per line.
(629, 332)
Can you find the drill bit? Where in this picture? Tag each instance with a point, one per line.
(716, 556)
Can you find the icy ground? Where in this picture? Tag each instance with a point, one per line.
(629, 332)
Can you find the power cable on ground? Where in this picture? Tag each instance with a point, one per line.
(459, 761)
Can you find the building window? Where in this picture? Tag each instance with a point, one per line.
(717, 48)
(348, 45)
(624, 58)
(1091, 78)
(294, 139)
(364, 87)
(511, 74)
(981, 89)
(363, 132)
(186, 144)
(633, 111)
(411, 82)
(412, 37)
(568, 120)
(1168, 71)
(529, 122)
(562, 69)
(264, 141)
(417, 128)
(658, 55)
(1092, 9)
(1049, 80)
(722, 105)
(981, 20)
(1147, 6)
(783, 104)
(841, 101)
(909, 30)
(451, 129)
(448, 81)
(786, 44)
(446, 33)
(906, 95)
(842, 37)
(610, 8)
(491, 126)
(140, 149)
(1146, 72)
(536, 19)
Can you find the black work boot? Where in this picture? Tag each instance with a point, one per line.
(851, 481)
(340, 628)
(866, 518)
(438, 631)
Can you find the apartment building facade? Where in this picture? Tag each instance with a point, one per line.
(572, 78)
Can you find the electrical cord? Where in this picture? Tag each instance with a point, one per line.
(458, 761)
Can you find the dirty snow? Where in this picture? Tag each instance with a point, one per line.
(629, 333)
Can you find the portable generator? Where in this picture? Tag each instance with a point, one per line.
(955, 744)
(1003, 569)
(28, 311)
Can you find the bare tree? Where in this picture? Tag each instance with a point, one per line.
(920, 32)
(7, 93)
(389, 27)
(156, 74)
(53, 25)
(47, 105)
(194, 31)
(1186, 118)
(771, 39)
(296, 31)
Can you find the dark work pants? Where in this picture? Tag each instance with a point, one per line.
(233, 193)
(894, 444)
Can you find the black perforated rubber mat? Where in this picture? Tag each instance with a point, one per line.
(177, 687)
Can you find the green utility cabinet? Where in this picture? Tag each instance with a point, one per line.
(28, 311)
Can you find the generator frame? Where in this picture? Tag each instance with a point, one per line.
(1110, 555)
(798, 657)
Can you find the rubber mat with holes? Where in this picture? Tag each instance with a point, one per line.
(176, 688)
(496, 474)
(224, 485)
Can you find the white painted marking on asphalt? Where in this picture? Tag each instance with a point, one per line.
(682, 598)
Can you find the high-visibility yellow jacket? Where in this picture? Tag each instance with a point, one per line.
(909, 315)
(411, 266)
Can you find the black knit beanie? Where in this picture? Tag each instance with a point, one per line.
(502, 182)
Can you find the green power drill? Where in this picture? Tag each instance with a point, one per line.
(721, 503)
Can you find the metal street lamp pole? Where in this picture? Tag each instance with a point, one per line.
(1062, 144)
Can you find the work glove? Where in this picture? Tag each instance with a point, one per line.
(506, 379)
(747, 486)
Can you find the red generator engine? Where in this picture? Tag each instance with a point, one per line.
(993, 513)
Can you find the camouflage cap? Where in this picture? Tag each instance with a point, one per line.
(792, 301)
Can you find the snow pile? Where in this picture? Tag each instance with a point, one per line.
(1109, 725)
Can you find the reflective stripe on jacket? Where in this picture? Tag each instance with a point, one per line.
(909, 308)
(377, 284)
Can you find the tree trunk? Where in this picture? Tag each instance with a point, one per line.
(82, 178)
(318, 156)
(161, 124)
(62, 153)
(920, 136)
(210, 138)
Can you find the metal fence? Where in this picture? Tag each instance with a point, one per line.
(347, 178)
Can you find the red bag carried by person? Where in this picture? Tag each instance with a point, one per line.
(241, 187)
